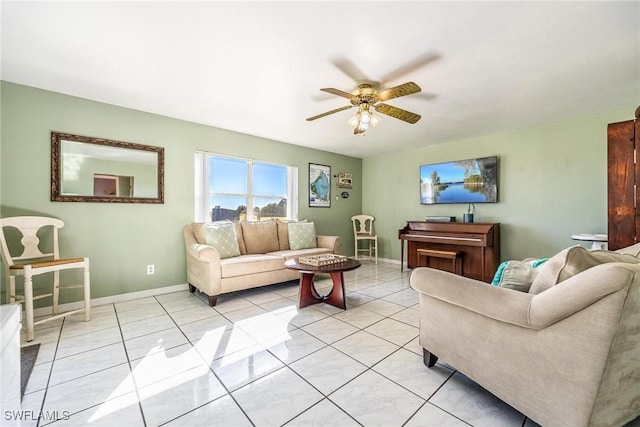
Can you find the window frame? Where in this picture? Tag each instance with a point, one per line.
(203, 190)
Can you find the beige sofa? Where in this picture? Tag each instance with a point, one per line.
(568, 355)
(262, 250)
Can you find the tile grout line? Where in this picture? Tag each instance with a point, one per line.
(209, 366)
(46, 389)
(133, 378)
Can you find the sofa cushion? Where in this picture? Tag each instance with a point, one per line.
(295, 254)
(516, 275)
(260, 237)
(241, 245)
(571, 261)
(250, 264)
(198, 232)
(283, 234)
(302, 235)
(222, 236)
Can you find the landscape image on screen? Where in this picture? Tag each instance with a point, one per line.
(464, 181)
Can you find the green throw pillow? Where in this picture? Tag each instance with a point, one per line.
(517, 275)
(302, 235)
(222, 236)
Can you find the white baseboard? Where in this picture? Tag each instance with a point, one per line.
(388, 260)
(44, 311)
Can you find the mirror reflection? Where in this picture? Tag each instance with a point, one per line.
(99, 170)
(112, 185)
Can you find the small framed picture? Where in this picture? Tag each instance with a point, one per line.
(345, 180)
(319, 186)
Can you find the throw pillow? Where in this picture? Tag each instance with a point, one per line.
(198, 232)
(571, 261)
(238, 227)
(222, 236)
(633, 250)
(516, 275)
(283, 233)
(302, 235)
(260, 237)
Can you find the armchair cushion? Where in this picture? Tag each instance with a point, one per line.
(571, 261)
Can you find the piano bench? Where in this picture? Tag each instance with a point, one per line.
(455, 256)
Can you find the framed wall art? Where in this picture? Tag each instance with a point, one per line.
(319, 186)
(345, 180)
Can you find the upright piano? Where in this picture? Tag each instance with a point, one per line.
(478, 242)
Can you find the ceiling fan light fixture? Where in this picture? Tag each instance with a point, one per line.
(353, 121)
(360, 122)
(364, 118)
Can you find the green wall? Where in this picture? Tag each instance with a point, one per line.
(552, 184)
(121, 239)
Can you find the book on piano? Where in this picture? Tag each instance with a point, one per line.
(441, 219)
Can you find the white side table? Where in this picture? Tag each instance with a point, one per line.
(598, 241)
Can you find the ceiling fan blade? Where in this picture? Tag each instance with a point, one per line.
(337, 92)
(329, 112)
(410, 66)
(349, 69)
(397, 113)
(397, 91)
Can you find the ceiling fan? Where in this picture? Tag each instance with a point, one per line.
(365, 96)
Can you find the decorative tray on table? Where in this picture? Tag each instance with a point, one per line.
(320, 260)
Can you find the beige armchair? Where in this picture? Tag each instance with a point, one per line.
(569, 356)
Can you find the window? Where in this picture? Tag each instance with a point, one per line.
(229, 188)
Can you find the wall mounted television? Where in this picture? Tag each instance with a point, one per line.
(464, 181)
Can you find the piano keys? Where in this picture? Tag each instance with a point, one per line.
(479, 243)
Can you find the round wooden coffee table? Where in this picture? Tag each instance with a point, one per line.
(308, 294)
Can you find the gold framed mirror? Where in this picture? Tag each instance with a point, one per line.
(86, 169)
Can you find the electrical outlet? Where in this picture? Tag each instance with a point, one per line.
(151, 269)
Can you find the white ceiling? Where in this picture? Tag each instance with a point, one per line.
(257, 67)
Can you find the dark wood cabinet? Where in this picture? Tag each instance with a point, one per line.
(623, 173)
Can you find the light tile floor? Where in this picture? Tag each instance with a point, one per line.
(254, 359)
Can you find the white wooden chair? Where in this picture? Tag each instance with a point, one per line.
(26, 259)
(363, 230)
